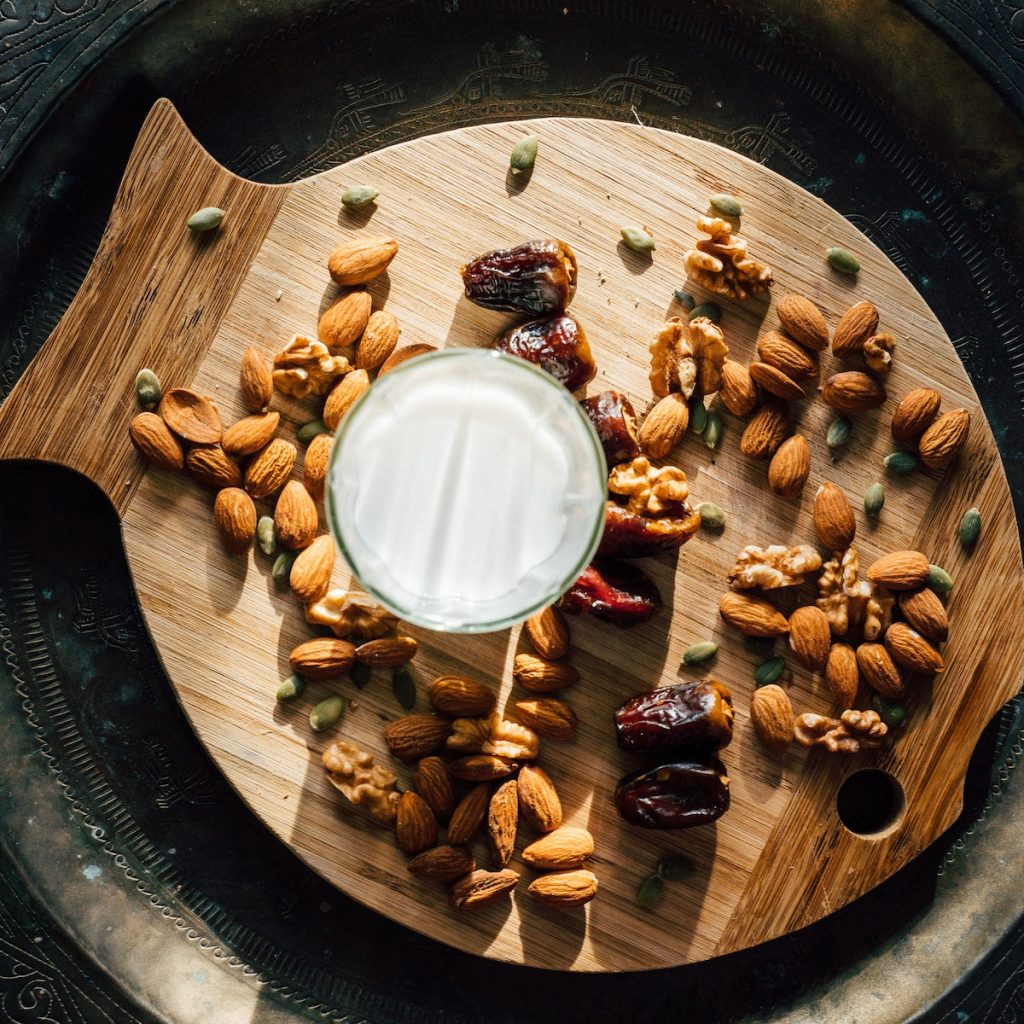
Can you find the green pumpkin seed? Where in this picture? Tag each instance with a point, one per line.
(712, 516)
(892, 712)
(206, 219)
(650, 891)
(309, 430)
(697, 654)
(282, 567)
(874, 499)
(762, 646)
(404, 687)
(266, 535)
(292, 687)
(698, 415)
(637, 239)
(676, 869)
(713, 431)
(361, 674)
(524, 153)
(842, 260)
(147, 389)
(685, 299)
(709, 309)
(769, 671)
(970, 528)
(726, 205)
(902, 463)
(359, 195)
(939, 580)
(327, 713)
(838, 433)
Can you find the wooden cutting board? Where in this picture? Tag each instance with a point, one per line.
(188, 307)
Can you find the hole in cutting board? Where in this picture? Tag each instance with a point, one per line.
(871, 803)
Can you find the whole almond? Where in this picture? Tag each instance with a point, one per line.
(235, 516)
(810, 637)
(387, 651)
(795, 362)
(565, 848)
(771, 711)
(249, 435)
(361, 260)
(503, 820)
(155, 442)
(482, 768)
(547, 716)
(663, 426)
(269, 471)
(926, 613)
(256, 380)
(774, 381)
(344, 320)
(878, 668)
(842, 674)
(855, 326)
(752, 616)
(210, 467)
(479, 888)
(295, 517)
(310, 577)
(378, 340)
(414, 736)
(803, 321)
(852, 391)
(565, 888)
(444, 864)
(415, 824)
(191, 416)
(343, 396)
(314, 465)
(737, 390)
(432, 781)
(323, 658)
(900, 570)
(941, 443)
(833, 518)
(549, 633)
(400, 355)
(540, 676)
(790, 467)
(461, 697)
(766, 429)
(915, 413)
(468, 816)
(908, 648)
(539, 805)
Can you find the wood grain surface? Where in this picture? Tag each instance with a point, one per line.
(780, 858)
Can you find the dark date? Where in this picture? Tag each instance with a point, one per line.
(615, 422)
(679, 795)
(537, 278)
(557, 344)
(615, 592)
(630, 535)
(695, 718)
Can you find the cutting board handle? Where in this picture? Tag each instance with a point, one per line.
(154, 296)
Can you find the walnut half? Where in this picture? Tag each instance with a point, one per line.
(850, 602)
(773, 567)
(306, 367)
(722, 265)
(651, 491)
(687, 357)
(493, 735)
(852, 732)
(352, 772)
(351, 614)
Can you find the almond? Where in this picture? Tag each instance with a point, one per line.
(314, 465)
(790, 467)
(941, 443)
(324, 658)
(540, 676)
(771, 711)
(400, 355)
(538, 799)
(547, 716)
(270, 470)
(191, 416)
(774, 381)
(803, 321)
(909, 649)
(343, 396)
(778, 351)
(915, 413)
(766, 430)
(565, 888)
(415, 825)
(310, 577)
(461, 697)
(378, 340)
(482, 768)
(235, 515)
(567, 847)
(855, 326)
(737, 390)
(900, 570)
(468, 816)
(833, 518)
(256, 380)
(879, 670)
(503, 820)
(361, 260)
(295, 518)
(549, 633)
(344, 320)
(210, 467)
(444, 864)
(842, 674)
(414, 736)
(752, 616)
(432, 781)
(479, 888)
(852, 391)
(386, 652)
(663, 426)
(249, 435)
(810, 637)
(155, 442)
(926, 613)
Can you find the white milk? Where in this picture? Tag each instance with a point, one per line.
(466, 489)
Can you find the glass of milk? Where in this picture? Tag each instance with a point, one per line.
(466, 490)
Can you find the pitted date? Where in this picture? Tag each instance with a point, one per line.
(679, 795)
(694, 717)
(630, 535)
(537, 278)
(615, 592)
(557, 344)
(615, 422)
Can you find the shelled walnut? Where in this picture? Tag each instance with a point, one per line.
(651, 490)
(878, 350)
(493, 735)
(352, 772)
(850, 602)
(722, 265)
(687, 357)
(852, 732)
(351, 614)
(773, 567)
(306, 367)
